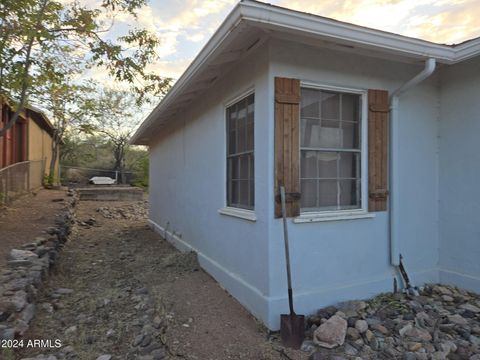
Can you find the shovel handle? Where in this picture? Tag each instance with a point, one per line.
(287, 252)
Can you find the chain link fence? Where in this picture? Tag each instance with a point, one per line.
(19, 179)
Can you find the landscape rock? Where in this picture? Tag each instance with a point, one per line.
(331, 333)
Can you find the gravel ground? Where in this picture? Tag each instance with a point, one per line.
(121, 290)
(28, 217)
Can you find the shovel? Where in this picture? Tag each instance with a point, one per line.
(292, 326)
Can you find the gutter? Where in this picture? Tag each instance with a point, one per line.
(394, 171)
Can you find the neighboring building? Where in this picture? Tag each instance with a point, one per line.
(29, 139)
(278, 95)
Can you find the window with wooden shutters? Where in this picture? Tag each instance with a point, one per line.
(324, 137)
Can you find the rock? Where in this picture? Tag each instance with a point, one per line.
(415, 346)
(474, 340)
(442, 290)
(470, 307)
(448, 347)
(157, 322)
(104, 357)
(353, 333)
(158, 354)
(361, 326)
(16, 254)
(447, 298)
(415, 333)
(380, 328)
(64, 291)
(457, 319)
(331, 333)
(350, 350)
(71, 330)
(307, 346)
(28, 313)
(369, 335)
(439, 355)
(138, 339)
(7, 334)
(409, 356)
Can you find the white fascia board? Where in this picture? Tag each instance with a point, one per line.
(298, 22)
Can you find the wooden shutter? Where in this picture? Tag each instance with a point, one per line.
(287, 150)
(378, 110)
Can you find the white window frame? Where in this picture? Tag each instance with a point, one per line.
(246, 214)
(362, 212)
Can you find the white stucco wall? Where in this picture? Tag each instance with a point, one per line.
(331, 261)
(459, 175)
(341, 260)
(188, 177)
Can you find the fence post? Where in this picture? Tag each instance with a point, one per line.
(7, 185)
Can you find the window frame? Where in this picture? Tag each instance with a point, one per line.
(362, 211)
(231, 210)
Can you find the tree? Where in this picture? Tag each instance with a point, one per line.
(32, 29)
(115, 114)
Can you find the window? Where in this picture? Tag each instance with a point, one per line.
(330, 150)
(240, 154)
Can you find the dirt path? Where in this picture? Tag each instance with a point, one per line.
(28, 217)
(121, 290)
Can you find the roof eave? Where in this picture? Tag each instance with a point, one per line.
(277, 18)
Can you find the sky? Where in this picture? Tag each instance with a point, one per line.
(184, 26)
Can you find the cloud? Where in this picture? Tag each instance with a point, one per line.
(443, 21)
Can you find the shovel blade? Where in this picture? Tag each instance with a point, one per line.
(292, 330)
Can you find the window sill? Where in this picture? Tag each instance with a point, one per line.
(238, 213)
(332, 216)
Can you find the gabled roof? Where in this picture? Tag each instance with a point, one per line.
(251, 22)
(35, 114)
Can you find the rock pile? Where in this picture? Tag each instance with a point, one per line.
(136, 211)
(443, 322)
(25, 272)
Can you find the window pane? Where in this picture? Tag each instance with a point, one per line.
(243, 193)
(327, 194)
(309, 103)
(350, 135)
(330, 105)
(349, 194)
(350, 107)
(251, 199)
(324, 134)
(308, 164)
(327, 164)
(231, 130)
(309, 194)
(234, 171)
(349, 164)
(235, 193)
(244, 167)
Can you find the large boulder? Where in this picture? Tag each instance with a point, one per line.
(331, 333)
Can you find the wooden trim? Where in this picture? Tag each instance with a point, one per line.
(287, 150)
(378, 111)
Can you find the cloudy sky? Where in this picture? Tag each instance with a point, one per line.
(185, 25)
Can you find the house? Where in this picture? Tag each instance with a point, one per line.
(374, 134)
(30, 139)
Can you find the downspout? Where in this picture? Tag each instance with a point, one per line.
(395, 255)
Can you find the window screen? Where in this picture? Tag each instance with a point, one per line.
(330, 155)
(240, 154)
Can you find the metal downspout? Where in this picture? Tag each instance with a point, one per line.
(394, 171)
